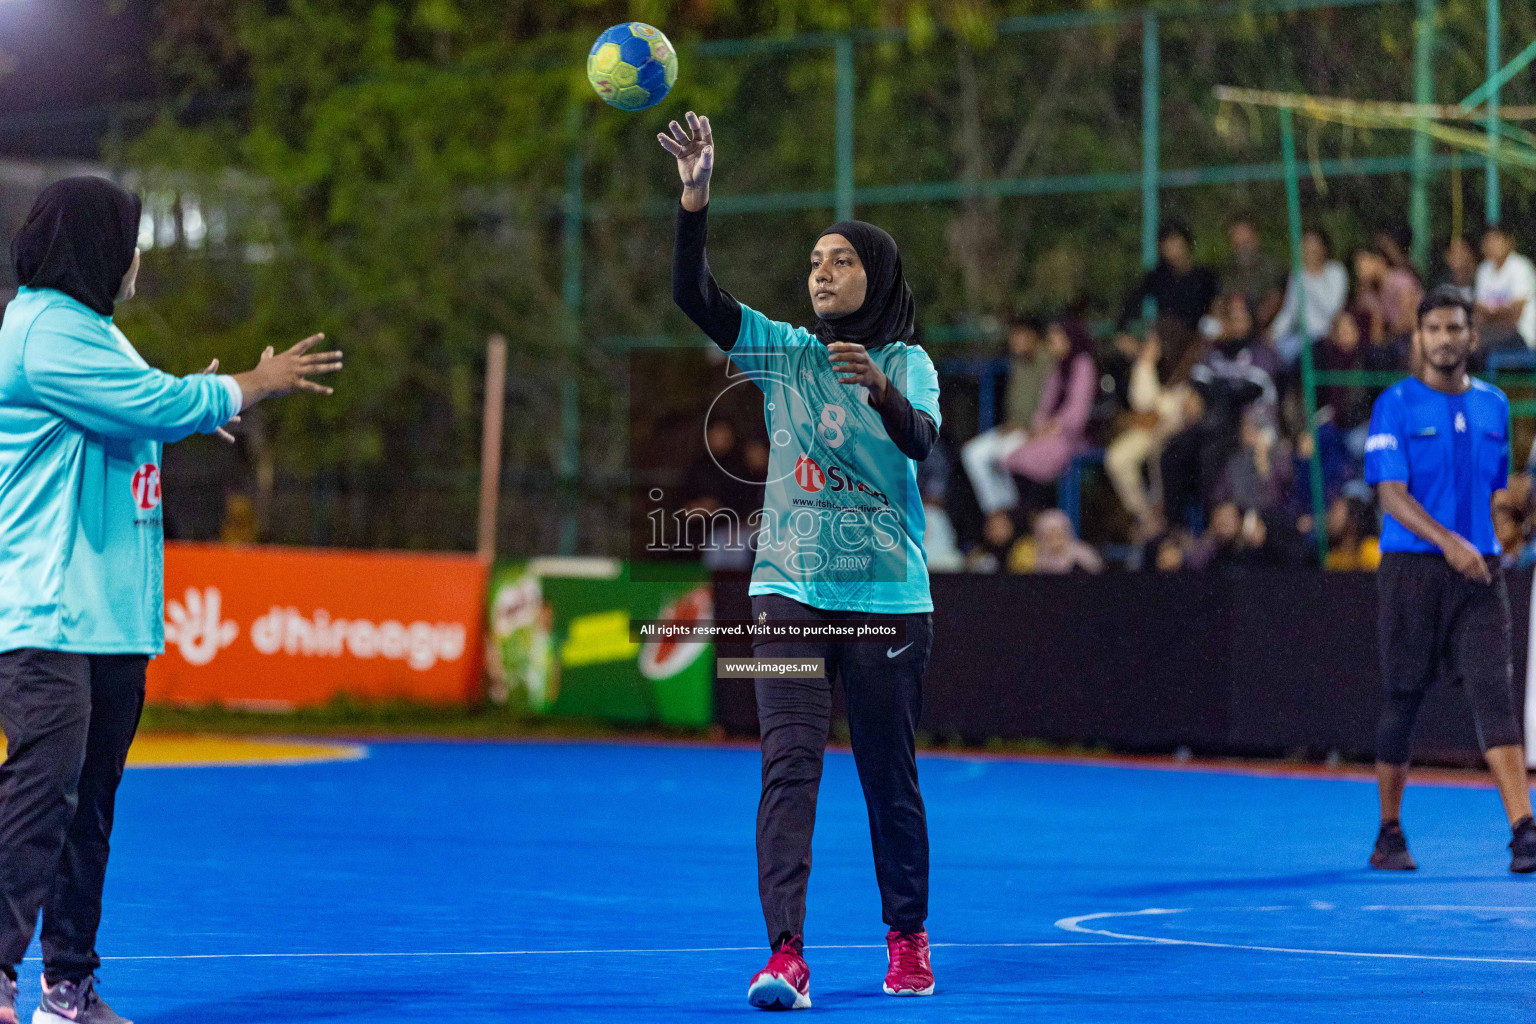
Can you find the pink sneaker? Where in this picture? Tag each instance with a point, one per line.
(785, 984)
(910, 973)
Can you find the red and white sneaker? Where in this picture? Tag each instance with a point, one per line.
(910, 973)
(785, 983)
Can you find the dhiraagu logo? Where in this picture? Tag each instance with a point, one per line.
(598, 637)
(196, 625)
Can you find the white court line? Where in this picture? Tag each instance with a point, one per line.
(1075, 924)
(586, 952)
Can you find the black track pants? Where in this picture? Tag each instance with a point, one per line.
(884, 695)
(68, 719)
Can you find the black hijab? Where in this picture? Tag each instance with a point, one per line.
(79, 239)
(888, 313)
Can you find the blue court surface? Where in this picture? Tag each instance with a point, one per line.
(492, 882)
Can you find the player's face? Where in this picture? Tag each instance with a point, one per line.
(1445, 337)
(130, 282)
(837, 282)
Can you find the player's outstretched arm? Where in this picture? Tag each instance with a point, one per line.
(281, 373)
(693, 286)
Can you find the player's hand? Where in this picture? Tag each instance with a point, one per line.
(851, 362)
(694, 148)
(280, 373)
(221, 433)
(1467, 560)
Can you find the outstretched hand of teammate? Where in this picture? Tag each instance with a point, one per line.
(280, 373)
(222, 433)
(694, 148)
(852, 364)
(1464, 557)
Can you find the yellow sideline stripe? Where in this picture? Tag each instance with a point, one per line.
(167, 751)
(158, 750)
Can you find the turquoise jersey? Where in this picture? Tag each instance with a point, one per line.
(842, 521)
(82, 418)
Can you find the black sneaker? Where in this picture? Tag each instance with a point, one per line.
(1391, 853)
(1522, 848)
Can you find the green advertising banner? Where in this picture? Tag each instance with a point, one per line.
(560, 642)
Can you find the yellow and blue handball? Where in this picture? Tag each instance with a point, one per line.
(632, 66)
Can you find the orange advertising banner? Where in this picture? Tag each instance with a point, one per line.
(275, 628)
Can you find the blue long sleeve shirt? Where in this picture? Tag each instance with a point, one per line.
(82, 421)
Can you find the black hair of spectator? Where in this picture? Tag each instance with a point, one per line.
(1444, 296)
(1322, 236)
(1028, 322)
(1175, 226)
(1497, 228)
(1242, 216)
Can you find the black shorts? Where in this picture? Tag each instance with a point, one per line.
(1433, 620)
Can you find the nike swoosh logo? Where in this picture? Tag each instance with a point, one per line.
(891, 654)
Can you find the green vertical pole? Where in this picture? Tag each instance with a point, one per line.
(1423, 92)
(570, 293)
(1308, 370)
(1491, 198)
(843, 52)
(1150, 126)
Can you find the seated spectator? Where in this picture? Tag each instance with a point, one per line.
(940, 547)
(1387, 291)
(1251, 272)
(1312, 302)
(1347, 407)
(1512, 523)
(997, 537)
(1158, 411)
(1058, 432)
(1231, 538)
(1461, 267)
(1182, 290)
(1258, 476)
(1506, 296)
(1228, 382)
(1057, 549)
(1030, 362)
(1352, 541)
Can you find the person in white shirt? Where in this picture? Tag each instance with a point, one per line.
(1312, 302)
(1505, 293)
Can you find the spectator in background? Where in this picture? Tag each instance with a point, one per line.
(1231, 538)
(1347, 407)
(940, 547)
(1258, 476)
(1505, 295)
(998, 534)
(1251, 272)
(1461, 267)
(1182, 290)
(1158, 411)
(718, 487)
(1030, 362)
(1058, 432)
(1311, 301)
(1512, 522)
(1228, 382)
(1056, 548)
(1387, 291)
(1352, 541)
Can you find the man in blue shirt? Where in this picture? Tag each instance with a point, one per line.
(1438, 451)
